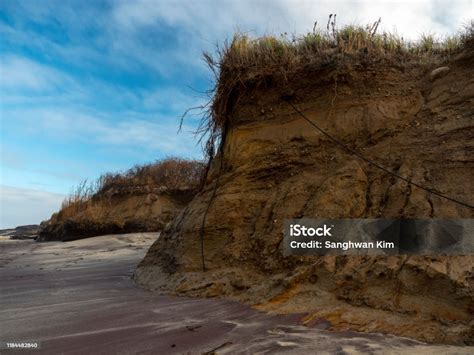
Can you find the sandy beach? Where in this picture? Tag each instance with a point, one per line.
(79, 298)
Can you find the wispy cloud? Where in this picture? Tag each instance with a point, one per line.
(206, 19)
(130, 130)
(42, 100)
(20, 74)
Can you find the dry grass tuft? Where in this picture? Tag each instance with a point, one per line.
(248, 62)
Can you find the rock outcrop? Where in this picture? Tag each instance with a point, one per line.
(274, 166)
(21, 232)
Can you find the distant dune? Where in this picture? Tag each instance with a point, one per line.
(143, 199)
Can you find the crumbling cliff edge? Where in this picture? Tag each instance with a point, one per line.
(273, 165)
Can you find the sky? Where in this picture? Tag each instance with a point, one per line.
(88, 87)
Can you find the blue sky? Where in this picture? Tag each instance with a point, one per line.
(88, 87)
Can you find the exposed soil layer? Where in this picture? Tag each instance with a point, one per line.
(413, 121)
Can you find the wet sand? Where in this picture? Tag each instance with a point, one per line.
(79, 298)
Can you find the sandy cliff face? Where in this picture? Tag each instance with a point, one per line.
(141, 210)
(276, 166)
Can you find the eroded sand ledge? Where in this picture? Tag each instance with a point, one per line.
(78, 297)
(273, 165)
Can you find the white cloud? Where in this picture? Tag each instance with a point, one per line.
(213, 20)
(200, 25)
(19, 73)
(63, 107)
(197, 25)
(20, 206)
(131, 130)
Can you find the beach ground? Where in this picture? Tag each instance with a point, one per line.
(79, 298)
